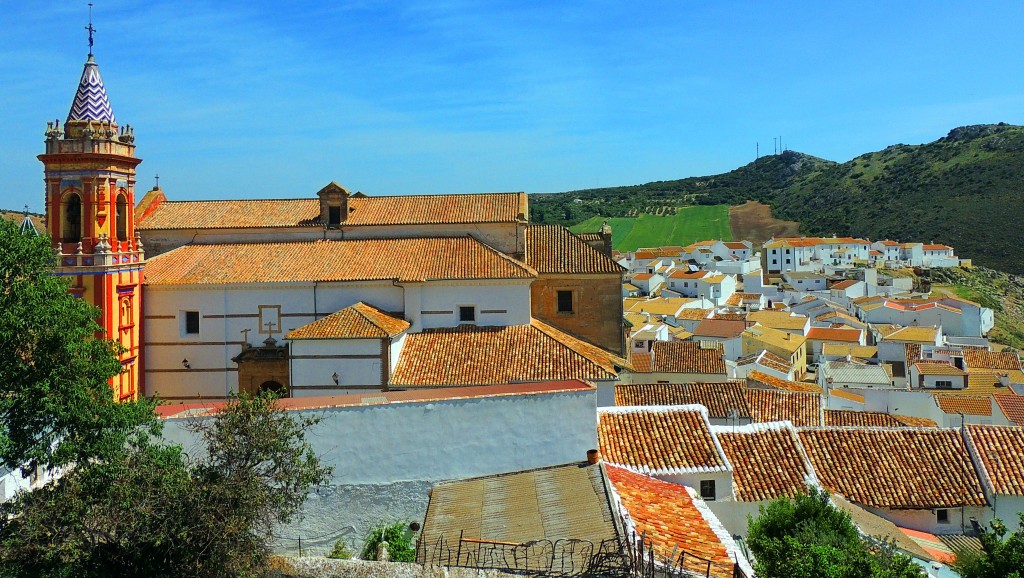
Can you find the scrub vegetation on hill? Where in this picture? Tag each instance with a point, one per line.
(965, 189)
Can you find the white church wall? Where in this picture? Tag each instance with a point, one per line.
(314, 362)
(496, 302)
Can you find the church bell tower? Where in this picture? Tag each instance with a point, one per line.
(89, 171)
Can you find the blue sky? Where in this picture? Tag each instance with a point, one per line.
(235, 99)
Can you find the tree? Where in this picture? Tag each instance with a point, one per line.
(152, 510)
(1002, 556)
(807, 537)
(125, 503)
(56, 406)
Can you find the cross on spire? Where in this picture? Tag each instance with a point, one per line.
(157, 177)
(90, 29)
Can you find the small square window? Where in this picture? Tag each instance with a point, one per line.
(467, 314)
(565, 304)
(707, 489)
(942, 516)
(189, 323)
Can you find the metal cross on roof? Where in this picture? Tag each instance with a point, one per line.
(90, 29)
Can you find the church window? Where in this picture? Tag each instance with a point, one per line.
(72, 216)
(565, 304)
(707, 489)
(122, 218)
(333, 216)
(189, 323)
(467, 314)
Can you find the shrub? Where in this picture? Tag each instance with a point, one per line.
(400, 544)
(340, 550)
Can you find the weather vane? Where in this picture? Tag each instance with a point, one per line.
(90, 29)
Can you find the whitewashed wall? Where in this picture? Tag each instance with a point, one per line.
(357, 362)
(925, 521)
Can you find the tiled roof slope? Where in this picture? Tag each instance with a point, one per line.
(659, 439)
(665, 513)
(899, 468)
(363, 211)
(766, 459)
(471, 355)
(555, 503)
(359, 321)
(852, 418)
(688, 357)
(553, 249)
(720, 398)
(965, 404)
(402, 259)
(999, 450)
(783, 384)
(982, 359)
(802, 409)
(1012, 406)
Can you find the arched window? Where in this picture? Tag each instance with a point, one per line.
(273, 387)
(122, 217)
(71, 215)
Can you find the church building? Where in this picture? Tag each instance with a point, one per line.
(340, 292)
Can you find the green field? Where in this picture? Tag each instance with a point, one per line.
(690, 224)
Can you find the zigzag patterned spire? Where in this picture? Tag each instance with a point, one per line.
(91, 101)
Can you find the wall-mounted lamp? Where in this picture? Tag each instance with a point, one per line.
(185, 364)
(335, 378)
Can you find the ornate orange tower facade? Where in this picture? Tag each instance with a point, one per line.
(89, 170)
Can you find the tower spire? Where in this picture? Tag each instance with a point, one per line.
(91, 30)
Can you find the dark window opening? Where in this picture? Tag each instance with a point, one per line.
(192, 323)
(942, 516)
(72, 232)
(707, 489)
(122, 218)
(333, 215)
(273, 387)
(467, 313)
(565, 302)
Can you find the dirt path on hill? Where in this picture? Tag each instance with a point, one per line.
(753, 221)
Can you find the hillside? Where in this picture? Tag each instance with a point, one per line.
(965, 189)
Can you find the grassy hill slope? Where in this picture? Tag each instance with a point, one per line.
(965, 189)
(687, 225)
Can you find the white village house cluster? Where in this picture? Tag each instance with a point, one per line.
(463, 357)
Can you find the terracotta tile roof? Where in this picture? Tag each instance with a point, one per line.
(912, 352)
(666, 514)
(659, 439)
(736, 245)
(688, 357)
(937, 368)
(404, 259)
(844, 284)
(767, 461)
(768, 360)
(719, 328)
(359, 321)
(641, 362)
(774, 338)
(687, 274)
(553, 249)
(913, 335)
(827, 334)
(986, 382)
(851, 418)
(396, 210)
(861, 351)
(848, 395)
(900, 468)
(965, 404)
(801, 408)
(886, 329)
(999, 450)
(778, 320)
(784, 384)
(1012, 406)
(729, 316)
(692, 314)
(471, 355)
(982, 359)
(720, 399)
